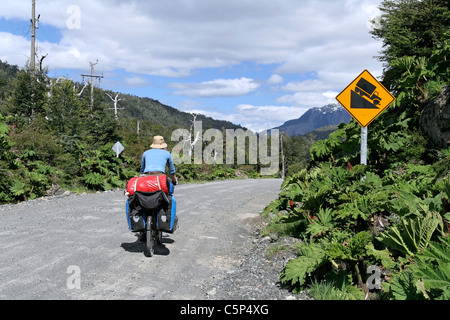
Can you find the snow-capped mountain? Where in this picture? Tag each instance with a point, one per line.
(315, 118)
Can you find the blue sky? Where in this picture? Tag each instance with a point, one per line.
(257, 63)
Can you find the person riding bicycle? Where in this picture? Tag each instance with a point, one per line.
(154, 163)
(154, 160)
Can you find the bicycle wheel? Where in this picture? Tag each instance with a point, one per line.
(158, 237)
(150, 241)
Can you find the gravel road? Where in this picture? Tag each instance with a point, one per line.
(79, 246)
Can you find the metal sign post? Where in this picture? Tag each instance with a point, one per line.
(364, 145)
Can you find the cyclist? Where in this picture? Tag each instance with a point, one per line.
(154, 163)
(154, 160)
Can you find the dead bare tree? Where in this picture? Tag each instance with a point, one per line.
(41, 60)
(189, 138)
(116, 101)
(81, 92)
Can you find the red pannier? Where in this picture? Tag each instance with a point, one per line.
(148, 184)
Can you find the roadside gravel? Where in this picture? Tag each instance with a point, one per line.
(254, 276)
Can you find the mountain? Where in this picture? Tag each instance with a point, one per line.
(315, 118)
(147, 109)
(130, 106)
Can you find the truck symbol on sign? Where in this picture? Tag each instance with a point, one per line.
(364, 96)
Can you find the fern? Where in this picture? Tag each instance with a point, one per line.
(17, 188)
(94, 180)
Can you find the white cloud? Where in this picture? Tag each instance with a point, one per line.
(259, 118)
(256, 118)
(13, 49)
(275, 79)
(216, 88)
(173, 38)
(136, 81)
(309, 99)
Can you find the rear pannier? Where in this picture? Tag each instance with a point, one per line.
(167, 218)
(159, 196)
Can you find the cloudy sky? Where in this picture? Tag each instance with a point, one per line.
(257, 63)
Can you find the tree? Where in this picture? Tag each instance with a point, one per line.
(30, 95)
(410, 28)
(5, 158)
(116, 101)
(65, 111)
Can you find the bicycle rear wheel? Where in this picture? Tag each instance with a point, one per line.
(150, 241)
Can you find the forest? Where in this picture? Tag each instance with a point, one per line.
(52, 137)
(380, 231)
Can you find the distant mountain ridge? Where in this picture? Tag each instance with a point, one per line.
(150, 109)
(315, 118)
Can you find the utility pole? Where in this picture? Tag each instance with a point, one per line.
(92, 76)
(34, 26)
(283, 170)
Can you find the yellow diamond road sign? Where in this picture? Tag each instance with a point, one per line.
(365, 98)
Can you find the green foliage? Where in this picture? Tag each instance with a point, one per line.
(433, 269)
(411, 235)
(411, 27)
(331, 290)
(102, 170)
(310, 258)
(17, 188)
(393, 213)
(296, 151)
(420, 77)
(427, 277)
(29, 97)
(322, 224)
(65, 112)
(354, 249)
(404, 286)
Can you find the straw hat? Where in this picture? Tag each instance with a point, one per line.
(158, 143)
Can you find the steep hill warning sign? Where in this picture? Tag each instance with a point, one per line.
(365, 98)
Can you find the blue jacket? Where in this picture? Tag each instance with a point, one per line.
(156, 160)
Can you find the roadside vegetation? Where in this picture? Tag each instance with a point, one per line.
(379, 231)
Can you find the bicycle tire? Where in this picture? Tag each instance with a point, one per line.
(150, 241)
